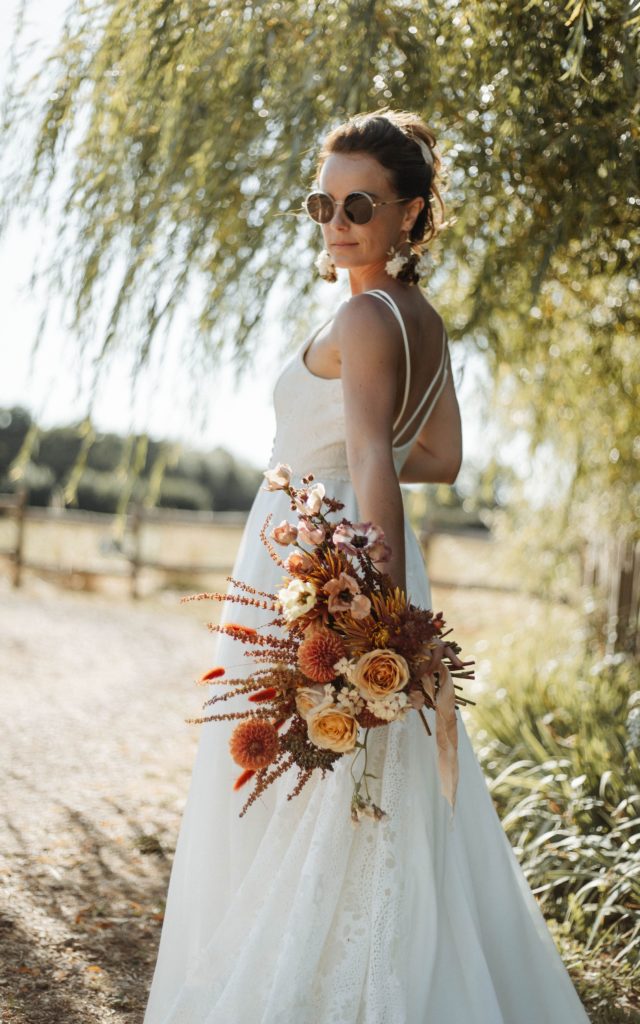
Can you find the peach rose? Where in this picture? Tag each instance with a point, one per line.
(309, 697)
(379, 673)
(332, 728)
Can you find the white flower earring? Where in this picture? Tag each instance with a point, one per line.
(409, 268)
(326, 267)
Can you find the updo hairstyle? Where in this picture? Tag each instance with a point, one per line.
(390, 136)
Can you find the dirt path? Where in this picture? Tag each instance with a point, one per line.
(95, 760)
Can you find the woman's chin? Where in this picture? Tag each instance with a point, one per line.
(346, 256)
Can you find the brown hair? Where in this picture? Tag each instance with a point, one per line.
(390, 136)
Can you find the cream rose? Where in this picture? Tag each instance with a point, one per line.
(310, 697)
(379, 673)
(331, 728)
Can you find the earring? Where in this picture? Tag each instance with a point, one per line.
(409, 268)
(326, 267)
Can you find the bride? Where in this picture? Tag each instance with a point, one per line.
(294, 914)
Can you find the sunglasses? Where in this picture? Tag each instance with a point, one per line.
(358, 207)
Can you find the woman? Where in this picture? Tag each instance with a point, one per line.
(291, 914)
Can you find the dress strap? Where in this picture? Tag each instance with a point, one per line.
(386, 298)
(440, 376)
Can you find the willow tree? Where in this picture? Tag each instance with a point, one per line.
(186, 136)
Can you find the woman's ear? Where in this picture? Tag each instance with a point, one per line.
(412, 212)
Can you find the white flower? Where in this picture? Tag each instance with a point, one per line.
(389, 708)
(297, 598)
(277, 478)
(395, 265)
(313, 503)
(350, 700)
(344, 667)
(325, 265)
(425, 263)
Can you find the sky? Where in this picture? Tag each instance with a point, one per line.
(239, 415)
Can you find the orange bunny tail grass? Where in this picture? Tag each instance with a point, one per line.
(237, 630)
(242, 778)
(213, 673)
(267, 694)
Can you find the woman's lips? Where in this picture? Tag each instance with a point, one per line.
(342, 245)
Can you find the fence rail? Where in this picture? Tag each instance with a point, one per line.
(610, 565)
(124, 558)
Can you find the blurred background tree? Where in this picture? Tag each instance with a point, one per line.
(116, 470)
(188, 136)
(173, 145)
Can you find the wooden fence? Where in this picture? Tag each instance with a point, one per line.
(124, 557)
(610, 566)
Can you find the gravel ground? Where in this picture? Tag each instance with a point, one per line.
(95, 761)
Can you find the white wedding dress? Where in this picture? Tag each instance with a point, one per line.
(294, 915)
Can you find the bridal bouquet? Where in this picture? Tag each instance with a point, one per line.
(351, 654)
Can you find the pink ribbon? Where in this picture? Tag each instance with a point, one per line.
(446, 730)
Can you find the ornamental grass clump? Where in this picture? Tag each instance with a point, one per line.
(561, 754)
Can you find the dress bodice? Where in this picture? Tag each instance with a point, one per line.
(310, 420)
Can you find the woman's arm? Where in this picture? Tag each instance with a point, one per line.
(436, 455)
(369, 354)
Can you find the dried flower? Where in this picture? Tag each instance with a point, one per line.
(310, 697)
(332, 729)
(310, 534)
(297, 562)
(356, 537)
(213, 673)
(319, 652)
(425, 263)
(345, 596)
(379, 673)
(285, 533)
(278, 478)
(394, 265)
(325, 265)
(313, 504)
(297, 598)
(254, 744)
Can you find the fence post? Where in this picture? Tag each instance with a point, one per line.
(134, 558)
(18, 555)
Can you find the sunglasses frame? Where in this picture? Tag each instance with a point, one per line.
(356, 192)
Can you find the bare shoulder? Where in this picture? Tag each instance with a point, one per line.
(365, 325)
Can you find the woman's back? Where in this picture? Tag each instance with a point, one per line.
(309, 405)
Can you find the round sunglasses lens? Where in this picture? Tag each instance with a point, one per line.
(358, 208)
(319, 207)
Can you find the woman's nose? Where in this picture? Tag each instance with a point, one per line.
(339, 218)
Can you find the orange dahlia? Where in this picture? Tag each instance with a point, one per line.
(318, 654)
(254, 744)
